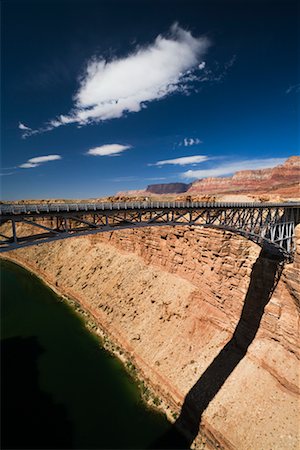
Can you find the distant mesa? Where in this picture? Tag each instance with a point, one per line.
(168, 188)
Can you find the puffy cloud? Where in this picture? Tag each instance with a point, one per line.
(202, 65)
(37, 160)
(108, 150)
(183, 161)
(230, 168)
(109, 89)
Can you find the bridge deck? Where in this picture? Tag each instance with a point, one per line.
(45, 208)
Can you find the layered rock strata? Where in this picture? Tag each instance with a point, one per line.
(211, 324)
(284, 179)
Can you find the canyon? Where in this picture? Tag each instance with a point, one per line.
(210, 323)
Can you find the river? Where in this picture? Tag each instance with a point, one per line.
(60, 389)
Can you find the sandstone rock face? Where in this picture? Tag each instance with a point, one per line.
(212, 325)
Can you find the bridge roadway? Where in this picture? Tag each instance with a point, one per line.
(271, 225)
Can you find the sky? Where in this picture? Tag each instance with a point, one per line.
(105, 96)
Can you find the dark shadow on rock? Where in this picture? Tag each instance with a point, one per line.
(29, 417)
(264, 278)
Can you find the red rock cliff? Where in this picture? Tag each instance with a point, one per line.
(205, 319)
(280, 179)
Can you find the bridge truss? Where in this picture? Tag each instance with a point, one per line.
(269, 225)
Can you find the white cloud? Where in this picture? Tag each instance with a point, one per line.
(31, 132)
(202, 65)
(187, 142)
(230, 168)
(108, 150)
(42, 159)
(23, 127)
(183, 161)
(27, 165)
(110, 89)
(37, 160)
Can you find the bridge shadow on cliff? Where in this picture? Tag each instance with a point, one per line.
(264, 278)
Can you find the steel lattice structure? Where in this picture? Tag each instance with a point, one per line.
(271, 225)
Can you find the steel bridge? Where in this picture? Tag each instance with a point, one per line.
(270, 225)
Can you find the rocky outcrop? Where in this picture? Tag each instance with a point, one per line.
(167, 188)
(210, 322)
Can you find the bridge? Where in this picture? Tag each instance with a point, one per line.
(270, 225)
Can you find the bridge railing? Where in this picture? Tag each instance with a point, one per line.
(7, 209)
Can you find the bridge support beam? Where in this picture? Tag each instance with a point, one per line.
(14, 231)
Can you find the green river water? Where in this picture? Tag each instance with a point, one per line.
(60, 389)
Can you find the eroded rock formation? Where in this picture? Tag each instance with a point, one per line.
(210, 322)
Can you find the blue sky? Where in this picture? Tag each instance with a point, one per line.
(104, 96)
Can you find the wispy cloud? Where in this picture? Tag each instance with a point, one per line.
(110, 89)
(188, 142)
(230, 168)
(182, 161)
(38, 160)
(23, 127)
(108, 150)
(27, 131)
(216, 72)
(294, 88)
(6, 174)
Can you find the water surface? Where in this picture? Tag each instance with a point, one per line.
(60, 389)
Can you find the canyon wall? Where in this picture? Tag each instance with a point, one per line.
(209, 321)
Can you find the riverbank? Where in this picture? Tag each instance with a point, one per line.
(170, 301)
